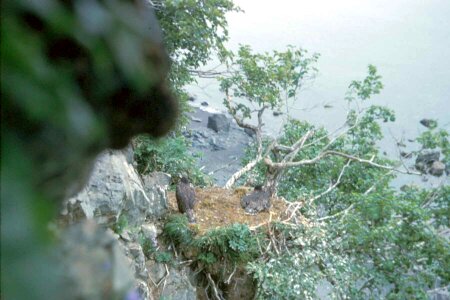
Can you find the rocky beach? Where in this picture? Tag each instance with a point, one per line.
(219, 141)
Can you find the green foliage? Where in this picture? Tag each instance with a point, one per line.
(121, 224)
(235, 243)
(309, 256)
(371, 85)
(170, 155)
(193, 31)
(207, 258)
(365, 237)
(267, 79)
(176, 229)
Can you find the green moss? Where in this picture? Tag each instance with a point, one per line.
(120, 225)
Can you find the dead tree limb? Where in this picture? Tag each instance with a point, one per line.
(370, 162)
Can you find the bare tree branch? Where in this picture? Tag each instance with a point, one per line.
(327, 191)
(258, 133)
(370, 162)
(345, 211)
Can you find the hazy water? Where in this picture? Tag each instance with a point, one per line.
(408, 41)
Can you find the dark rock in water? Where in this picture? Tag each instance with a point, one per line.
(425, 159)
(257, 201)
(437, 168)
(428, 162)
(204, 103)
(196, 119)
(405, 154)
(277, 113)
(191, 98)
(428, 123)
(249, 132)
(218, 122)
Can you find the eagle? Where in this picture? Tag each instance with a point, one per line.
(185, 195)
(257, 201)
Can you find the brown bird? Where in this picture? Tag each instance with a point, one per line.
(257, 201)
(185, 195)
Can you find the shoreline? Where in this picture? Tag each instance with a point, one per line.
(220, 152)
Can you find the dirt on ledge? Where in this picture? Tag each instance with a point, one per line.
(218, 207)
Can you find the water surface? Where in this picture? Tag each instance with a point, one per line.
(408, 41)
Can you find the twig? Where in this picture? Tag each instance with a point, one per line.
(350, 207)
(263, 223)
(333, 186)
(165, 278)
(162, 279)
(229, 278)
(330, 188)
(215, 289)
(342, 212)
(273, 241)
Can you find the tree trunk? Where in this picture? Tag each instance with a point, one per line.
(273, 175)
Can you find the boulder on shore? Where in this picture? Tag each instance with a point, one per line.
(218, 122)
(437, 168)
(425, 159)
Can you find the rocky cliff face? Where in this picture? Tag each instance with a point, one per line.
(115, 189)
(99, 263)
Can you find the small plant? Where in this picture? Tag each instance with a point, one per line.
(235, 243)
(163, 257)
(170, 155)
(207, 258)
(121, 224)
(147, 246)
(177, 230)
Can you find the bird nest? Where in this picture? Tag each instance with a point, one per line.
(218, 207)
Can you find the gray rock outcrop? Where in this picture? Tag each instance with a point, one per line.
(93, 264)
(115, 189)
(155, 186)
(115, 192)
(178, 282)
